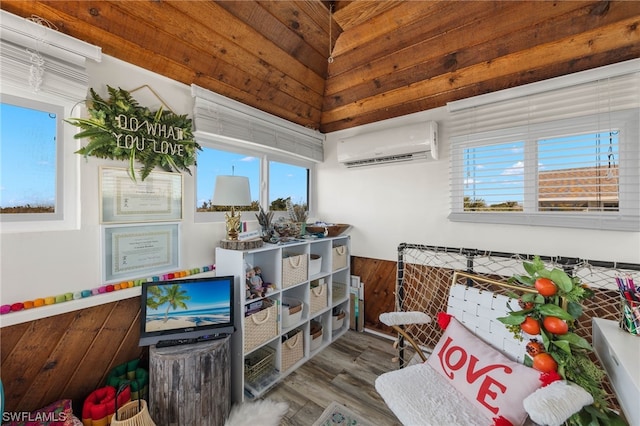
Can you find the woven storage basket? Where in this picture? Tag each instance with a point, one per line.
(318, 298)
(259, 363)
(292, 350)
(260, 327)
(338, 292)
(339, 257)
(294, 269)
(133, 413)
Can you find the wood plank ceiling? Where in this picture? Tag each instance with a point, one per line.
(387, 58)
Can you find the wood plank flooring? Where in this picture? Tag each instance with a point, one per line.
(343, 372)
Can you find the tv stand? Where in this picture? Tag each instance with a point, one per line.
(190, 384)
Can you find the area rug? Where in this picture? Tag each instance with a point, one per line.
(339, 415)
(262, 412)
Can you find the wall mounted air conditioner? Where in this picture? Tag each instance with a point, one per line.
(411, 142)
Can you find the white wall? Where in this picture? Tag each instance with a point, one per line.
(387, 205)
(42, 264)
(409, 203)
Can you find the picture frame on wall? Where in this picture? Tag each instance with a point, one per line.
(157, 198)
(134, 251)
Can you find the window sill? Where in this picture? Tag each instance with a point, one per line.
(582, 221)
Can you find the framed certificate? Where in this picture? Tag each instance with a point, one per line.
(123, 200)
(139, 251)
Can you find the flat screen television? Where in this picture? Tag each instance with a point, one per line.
(186, 311)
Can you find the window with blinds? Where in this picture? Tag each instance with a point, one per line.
(567, 156)
(43, 80)
(278, 156)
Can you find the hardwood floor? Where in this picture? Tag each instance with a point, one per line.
(343, 372)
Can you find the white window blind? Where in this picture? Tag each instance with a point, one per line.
(558, 156)
(225, 120)
(40, 59)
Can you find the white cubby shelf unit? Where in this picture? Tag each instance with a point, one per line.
(268, 338)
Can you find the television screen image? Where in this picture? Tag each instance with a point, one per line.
(182, 311)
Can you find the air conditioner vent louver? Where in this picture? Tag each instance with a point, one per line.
(410, 142)
(385, 160)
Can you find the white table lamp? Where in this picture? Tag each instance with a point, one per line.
(232, 191)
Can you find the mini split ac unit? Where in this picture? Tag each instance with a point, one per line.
(411, 142)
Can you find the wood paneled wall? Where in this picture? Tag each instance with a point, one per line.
(379, 278)
(70, 355)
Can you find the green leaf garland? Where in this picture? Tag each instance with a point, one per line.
(155, 139)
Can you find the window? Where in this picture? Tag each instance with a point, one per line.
(288, 181)
(213, 162)
(284, 180)
(43, 76)
(568, 157)
(278, 156)
(31, 160)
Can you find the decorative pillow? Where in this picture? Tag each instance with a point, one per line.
(59, 413)
(552, 405)
(487, 378)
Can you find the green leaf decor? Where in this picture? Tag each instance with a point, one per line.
(119, 128)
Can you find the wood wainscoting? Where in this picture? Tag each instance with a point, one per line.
(67, 356)
(379, 278)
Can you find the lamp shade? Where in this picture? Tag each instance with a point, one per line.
(232, 191)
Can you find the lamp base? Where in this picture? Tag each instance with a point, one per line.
(241, 245)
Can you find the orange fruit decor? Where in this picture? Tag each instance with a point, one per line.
(534, 348)
(555, 325)
(546, 287)
(530, 326)
(545, 363)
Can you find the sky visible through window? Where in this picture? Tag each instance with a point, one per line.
(28, 164)
(495, 173)
(285, 180)
(27, 157)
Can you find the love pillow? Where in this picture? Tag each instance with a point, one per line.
(488, 379)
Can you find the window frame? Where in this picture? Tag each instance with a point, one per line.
(67, 212)
(264, 156)
(626, 219)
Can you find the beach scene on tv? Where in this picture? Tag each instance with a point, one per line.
(187, 305)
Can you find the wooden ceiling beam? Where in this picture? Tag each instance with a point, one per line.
(188, 65)
(256, 48)
(529, 76)
(284, 25)
(622, 34)
(456, 49)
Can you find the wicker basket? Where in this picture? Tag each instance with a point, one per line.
(260, 327)
(133, 413)
(259, 363)
(294, 270)
(318, 298)
(292, 350)
(338, 292)
(340, 255)
(315, 332)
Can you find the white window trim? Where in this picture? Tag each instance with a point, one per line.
(223, 123)
(626, 117)
(264, 155)
(68, 217)
(64, 85)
